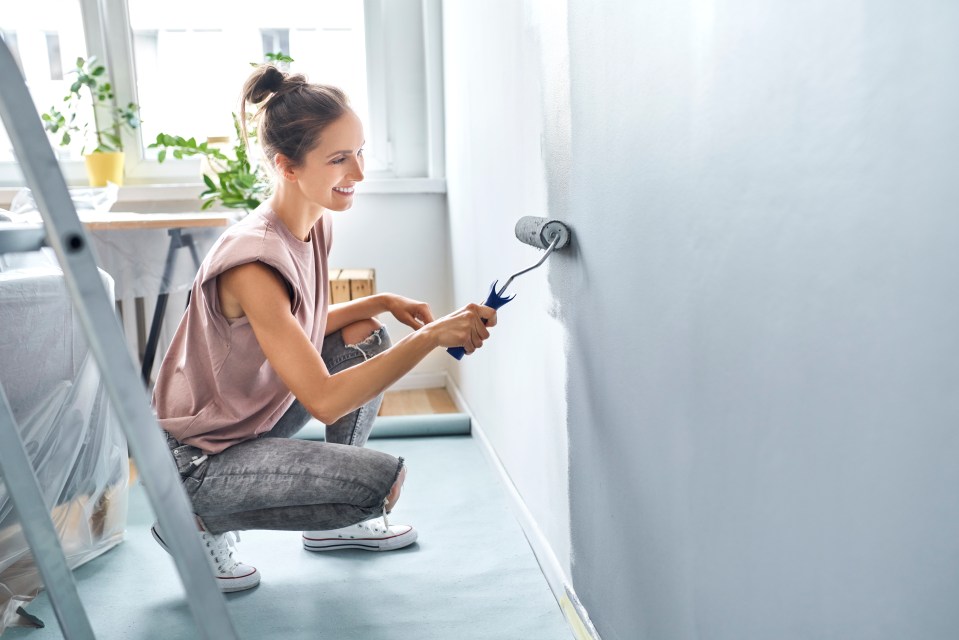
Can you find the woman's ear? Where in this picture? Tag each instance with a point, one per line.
(284, 167)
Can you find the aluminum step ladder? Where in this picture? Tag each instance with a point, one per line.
(63, 231)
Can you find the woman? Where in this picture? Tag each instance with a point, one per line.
(259, 352)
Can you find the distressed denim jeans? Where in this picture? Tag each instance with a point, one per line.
(277, 482)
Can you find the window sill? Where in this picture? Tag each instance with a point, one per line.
(184, 191)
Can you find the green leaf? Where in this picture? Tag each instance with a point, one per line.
(209, 181)
(278, 56)
(161, 156)
(66, 138)
(177, 154)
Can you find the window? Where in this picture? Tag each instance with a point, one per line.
(53, 53)
(43, 38)
(184, 63)
(192, 58)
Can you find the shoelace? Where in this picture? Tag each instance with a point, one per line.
(373, 524)
(221, 549)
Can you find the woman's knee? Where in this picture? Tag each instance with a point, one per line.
(360, 330)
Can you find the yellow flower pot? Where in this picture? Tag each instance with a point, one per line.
(103, 167)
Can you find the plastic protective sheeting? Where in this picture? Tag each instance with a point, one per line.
(84, 199)
(78, 451)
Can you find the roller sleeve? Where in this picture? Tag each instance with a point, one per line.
(540, 232)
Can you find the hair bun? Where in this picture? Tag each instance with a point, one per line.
(291, 113)
(267, 80)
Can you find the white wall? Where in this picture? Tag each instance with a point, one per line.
(506, 112)
(405, 238)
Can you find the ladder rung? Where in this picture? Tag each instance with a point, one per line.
(23, 238)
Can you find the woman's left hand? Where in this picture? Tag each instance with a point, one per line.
(412, 313)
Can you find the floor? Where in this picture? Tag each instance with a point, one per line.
(471, 575)
(417, 402)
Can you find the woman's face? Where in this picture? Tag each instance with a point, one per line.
(330, 171)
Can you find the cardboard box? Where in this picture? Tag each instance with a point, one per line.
(350, 284)
(339, 289)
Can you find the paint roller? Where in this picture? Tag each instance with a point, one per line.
(541, 233)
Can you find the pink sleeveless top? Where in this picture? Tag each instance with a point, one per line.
(215, 387)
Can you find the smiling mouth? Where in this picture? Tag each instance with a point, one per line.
(346, 191)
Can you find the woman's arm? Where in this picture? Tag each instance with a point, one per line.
(259, 293)
(410, 312)
(346, 313)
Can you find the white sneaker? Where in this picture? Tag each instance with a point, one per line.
(372, 535)
(230, 574)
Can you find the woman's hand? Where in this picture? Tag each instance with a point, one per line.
(466, 328)
(412, 313)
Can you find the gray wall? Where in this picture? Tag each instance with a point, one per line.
(760, 311)
(764, 318)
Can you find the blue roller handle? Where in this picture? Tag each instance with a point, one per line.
(493, 301)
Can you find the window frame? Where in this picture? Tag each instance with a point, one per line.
(404, 78)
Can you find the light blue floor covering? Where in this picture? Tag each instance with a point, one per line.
(470, 575)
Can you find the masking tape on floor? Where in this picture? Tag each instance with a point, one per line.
(436, 424)
(580, 632)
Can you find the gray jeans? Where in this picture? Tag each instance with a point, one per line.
(275, 482)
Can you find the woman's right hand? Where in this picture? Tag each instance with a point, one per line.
(468, 327)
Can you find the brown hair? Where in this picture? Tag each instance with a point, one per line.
(292, 112)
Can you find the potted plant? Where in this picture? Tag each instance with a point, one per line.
(101, 135)
(232, 182)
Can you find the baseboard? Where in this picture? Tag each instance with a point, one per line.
(559, 583)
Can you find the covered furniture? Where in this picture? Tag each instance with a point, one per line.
(78, 451)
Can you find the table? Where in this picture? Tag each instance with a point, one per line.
(177, 226)
(112, 221)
